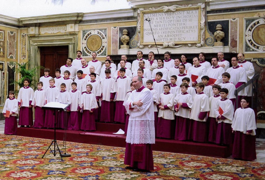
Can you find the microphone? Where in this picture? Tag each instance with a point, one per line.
(148, 19)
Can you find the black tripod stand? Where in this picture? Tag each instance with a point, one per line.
(54, 143)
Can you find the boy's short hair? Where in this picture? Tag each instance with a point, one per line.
(224, 90)
(52, 80)
(167, 53)
(93, 74)
(26, 79)
(47, 70)
(186, 79)
(200, 85)
(184, 85)
(79, 71)
(79, 51)
(216, 86)
(167, 85)
(226, 74)
(70, 59)
(40, 83)
(107, 71)
(63, 85)
(149, 82)
(182, 65)
(140, 69)
(122, 69)
(67, 72)
(205, 77)
(11, 92)
(89, 85)
(58, 70)
(131, 84)
(108, 61)
(160, 74)
(74, 83)
(175, 77)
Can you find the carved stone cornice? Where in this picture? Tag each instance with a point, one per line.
(9, 20)
(70, 18)
(145, 3)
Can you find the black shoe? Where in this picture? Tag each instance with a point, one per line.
(128, 167)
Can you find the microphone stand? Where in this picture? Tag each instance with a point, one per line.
(149, 20)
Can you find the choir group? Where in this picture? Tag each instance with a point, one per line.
(191, 102)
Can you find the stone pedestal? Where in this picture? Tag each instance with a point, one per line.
(218, 48)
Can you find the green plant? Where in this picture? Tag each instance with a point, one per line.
(26, 73)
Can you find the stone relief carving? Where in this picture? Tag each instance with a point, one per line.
(11, 45)
(53, 30)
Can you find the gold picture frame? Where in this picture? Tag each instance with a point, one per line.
(160, 10)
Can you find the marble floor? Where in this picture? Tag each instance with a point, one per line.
(260, 144)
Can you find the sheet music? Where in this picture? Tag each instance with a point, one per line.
(56, 105)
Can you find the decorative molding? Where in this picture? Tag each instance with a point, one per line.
(23, 46)
(143, 3)
(9, 20)
(53, 29)
(259, 61)
(11, 44)
(59, 18)
(121, 13)
(228, 4)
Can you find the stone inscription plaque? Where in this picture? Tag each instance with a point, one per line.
(180, 26)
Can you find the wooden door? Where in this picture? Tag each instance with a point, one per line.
(53, 57)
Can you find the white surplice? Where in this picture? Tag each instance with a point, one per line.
(107, 87)
(197, 71)
(159, 86)
(141, 127)
(163, 70)
(71, 69)
(25, 96)
(88, 101)
(225, 62)
(183, 98)
(200, 104)
(96, 64)
(64, 97)
(51, 94)
(250, 71)
(103, 75)
(81, 84)
(208, 90)
(96, 87)
(77, 63)
(244, 120)
(58, 81)
(167, 100)
(213, 103)
(180, 77)
(68, 83)
(231, 89)
(155, 98)
(122, 86)
(12, 106)
(39, 98)
(135, 64)
(173, 71)
(169, 64)
(238, 74)
(206, 65)
(127, 65)
(228, 110)
(45, 80)
(215, 73)
(128, 73)
(75, 96)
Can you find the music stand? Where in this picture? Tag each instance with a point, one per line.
(55, 106)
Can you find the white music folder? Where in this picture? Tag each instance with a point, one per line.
(56, 105)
